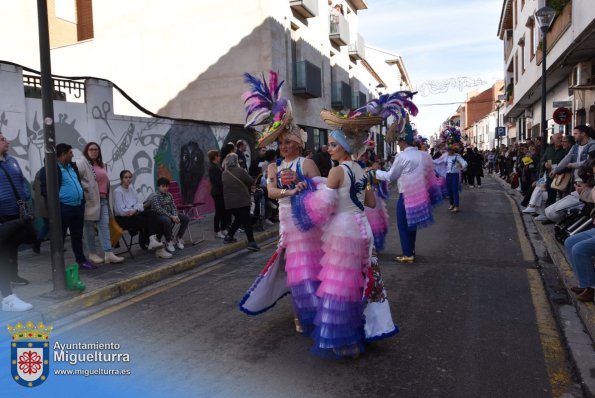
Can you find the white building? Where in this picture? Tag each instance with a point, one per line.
(186, 59)
(570, 57)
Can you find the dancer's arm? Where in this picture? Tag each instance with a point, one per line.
(274, 192)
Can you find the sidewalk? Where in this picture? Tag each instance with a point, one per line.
(586, 311)
(112, 280)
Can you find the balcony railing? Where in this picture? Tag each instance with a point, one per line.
(507, 49)
(63, 88)
(305, 8)
(340, 95)
(307, 81)
(339, 30)
(560, 25)
(357, 47)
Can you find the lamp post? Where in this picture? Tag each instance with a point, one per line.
(545, 17)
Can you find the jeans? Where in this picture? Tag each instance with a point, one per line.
(102, 227)
(72, 219)
(44, 230)
(168, 225)
(9, 257)
(452, 186)
(221, 218)
(580, 249)
(407, 235)
(556, 213)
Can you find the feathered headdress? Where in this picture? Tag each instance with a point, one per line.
(265, 107)
(451, 137)
(397, 105)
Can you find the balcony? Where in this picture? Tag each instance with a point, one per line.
(507, 48)
(560, 25)
(340, 95)
(305, 8)
(339, 30)
(306, 80)
(357, 47)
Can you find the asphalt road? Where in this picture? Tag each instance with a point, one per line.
(468, 319)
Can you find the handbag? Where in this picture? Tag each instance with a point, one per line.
(25, 217)
(115, 231)
(561, 181)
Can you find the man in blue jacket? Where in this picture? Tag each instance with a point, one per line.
(72, 202)
(10, 172)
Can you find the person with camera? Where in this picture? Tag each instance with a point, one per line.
(12, 230)
(580, 248)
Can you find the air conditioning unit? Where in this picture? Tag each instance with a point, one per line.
(581, 74)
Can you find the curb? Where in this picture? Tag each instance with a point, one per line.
(109, 292)
(585, 311)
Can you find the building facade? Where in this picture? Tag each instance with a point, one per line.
(570, 57)
(187, 60)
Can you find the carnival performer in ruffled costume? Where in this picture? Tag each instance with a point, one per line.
(413, 172)
(454, 163)
(298, 251)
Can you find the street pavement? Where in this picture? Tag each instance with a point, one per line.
(473, 313)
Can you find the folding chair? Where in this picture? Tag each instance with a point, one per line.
(127, 242)
(189, 210)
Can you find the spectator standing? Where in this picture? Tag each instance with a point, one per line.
(96, 187)
(241, 152)
(72, 202)
(237, 185)
(475, 169)
(162, 204)
(9, 211)
(221, 218)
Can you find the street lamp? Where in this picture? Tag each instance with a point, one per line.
(545, 17)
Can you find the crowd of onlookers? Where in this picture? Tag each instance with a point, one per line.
(555, 185)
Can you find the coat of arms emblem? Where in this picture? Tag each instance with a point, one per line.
(29, 353)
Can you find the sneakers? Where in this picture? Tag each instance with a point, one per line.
(110, 257)
(454, 210)
(17, 280)
(170, 246)
(180, 243)
(154, 243)
(529, 210)
(241, 230)
(451, 207)
(220, 235)
(541, 217)
(87, 265)
(14, 304)
(253, 247)
(229, 239)
(269, 222)
(405, 259)
(162, 253)
(95, 258)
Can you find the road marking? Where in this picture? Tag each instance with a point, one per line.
(526, 249)
(553, 352)
(147, 294)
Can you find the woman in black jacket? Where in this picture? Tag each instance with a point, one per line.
(221, 219)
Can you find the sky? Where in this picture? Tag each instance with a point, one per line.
(449, 47)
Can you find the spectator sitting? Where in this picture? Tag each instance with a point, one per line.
(130, 214)
(162, 204)
(580, 249)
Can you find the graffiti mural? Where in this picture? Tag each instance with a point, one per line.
(182, 157)
(149, 147)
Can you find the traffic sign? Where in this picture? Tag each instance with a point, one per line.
(500, 131)
(562, 116)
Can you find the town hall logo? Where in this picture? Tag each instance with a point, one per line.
(29, 353)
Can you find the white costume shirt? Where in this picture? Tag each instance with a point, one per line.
(408, 164)
(451, 163)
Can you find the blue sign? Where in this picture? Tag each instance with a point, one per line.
(500, 131)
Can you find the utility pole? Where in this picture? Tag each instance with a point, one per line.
(51, 169)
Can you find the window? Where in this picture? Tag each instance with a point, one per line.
(531, 41)
(66, 10)
(516, 67)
